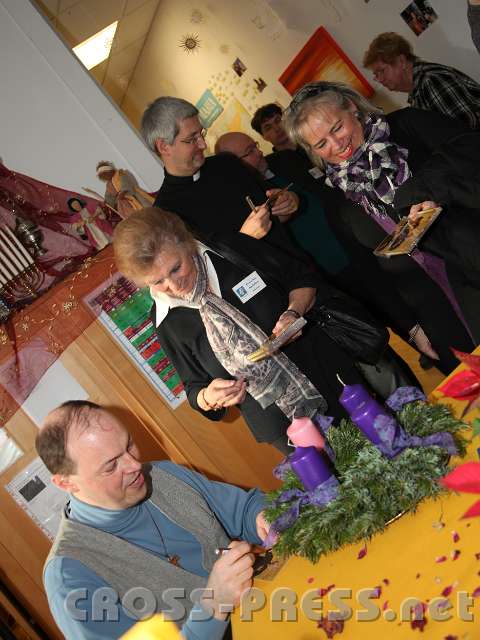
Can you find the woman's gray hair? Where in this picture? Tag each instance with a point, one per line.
(311, 98)
(162, 119)
(142, 237)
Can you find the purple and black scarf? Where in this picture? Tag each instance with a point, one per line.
(375, 170)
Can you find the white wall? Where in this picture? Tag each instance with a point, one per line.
(267, 34)
(56, 122)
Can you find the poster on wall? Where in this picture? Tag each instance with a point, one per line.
(209, 108)
(34, 492)
(419, 15)
(234, 118)
(322, 59)
(124, 310)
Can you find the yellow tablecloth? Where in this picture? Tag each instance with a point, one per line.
(402, 561)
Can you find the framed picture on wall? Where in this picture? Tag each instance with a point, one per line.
(322, 59)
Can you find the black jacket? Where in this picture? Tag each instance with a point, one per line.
(184, 339)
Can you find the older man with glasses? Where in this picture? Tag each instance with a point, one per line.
(210, 194)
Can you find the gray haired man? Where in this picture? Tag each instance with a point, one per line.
(210, 193)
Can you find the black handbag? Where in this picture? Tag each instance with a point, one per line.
(345, 320)
(352, 327)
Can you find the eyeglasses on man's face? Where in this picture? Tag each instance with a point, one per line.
(195, 138)
(249, 150)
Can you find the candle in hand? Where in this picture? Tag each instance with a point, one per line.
(311, 466)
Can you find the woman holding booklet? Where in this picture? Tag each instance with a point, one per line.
(396, 165)
(214, 308)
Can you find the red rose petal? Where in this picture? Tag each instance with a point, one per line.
(323, 591)
(386, 581)
(441, 559)
(377, 592)
(476, 593)
(331, 627)
(477, 556)
(450, 637)
(362, 553)
(418, 618)
(447, 591)
(417, 576)
(455, 536)
(455, 553)
(385, 605)
(310, 580)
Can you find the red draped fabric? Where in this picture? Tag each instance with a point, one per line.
(74, 227)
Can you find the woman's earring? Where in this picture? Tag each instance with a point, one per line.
(357, 114)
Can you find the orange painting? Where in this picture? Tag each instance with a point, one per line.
(322, 59)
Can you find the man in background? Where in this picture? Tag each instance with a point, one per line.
(267, 121)
(430, 86)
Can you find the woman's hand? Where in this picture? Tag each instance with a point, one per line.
(421, 341)
(417, 209)
(258, 223)
(284, 204)
(284, 321)
(221, 393)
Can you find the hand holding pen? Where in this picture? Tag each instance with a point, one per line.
(280, 202)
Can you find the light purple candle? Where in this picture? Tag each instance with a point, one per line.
(352, 397)
(311, 466)
(364, 417)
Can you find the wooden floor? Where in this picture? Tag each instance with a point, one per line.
(428, 379)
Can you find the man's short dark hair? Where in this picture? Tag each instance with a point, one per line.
(265, 113)
(51, 440)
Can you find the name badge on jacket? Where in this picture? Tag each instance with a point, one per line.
(249, 287)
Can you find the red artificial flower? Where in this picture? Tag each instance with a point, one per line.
(469, 359)
(464, 385)
(466, 479)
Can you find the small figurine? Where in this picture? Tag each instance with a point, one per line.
(122, 193)
(93, 228)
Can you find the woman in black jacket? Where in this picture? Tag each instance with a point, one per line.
(389, 166)
(211, 312)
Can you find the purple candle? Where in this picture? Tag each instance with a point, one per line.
(352, 396)
(364, 417)
(311, 466)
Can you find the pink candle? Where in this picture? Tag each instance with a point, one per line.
(303, 433)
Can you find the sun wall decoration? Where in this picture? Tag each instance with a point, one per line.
(190, 43)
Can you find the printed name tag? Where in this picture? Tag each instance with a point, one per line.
(249, 287)
(316, 172)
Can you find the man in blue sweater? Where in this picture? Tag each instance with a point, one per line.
(134, 541)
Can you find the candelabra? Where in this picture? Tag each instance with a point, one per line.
(20, 277)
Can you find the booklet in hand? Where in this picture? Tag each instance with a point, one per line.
(407, 234)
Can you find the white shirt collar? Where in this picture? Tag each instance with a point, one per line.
(164, 302)
(268, 175)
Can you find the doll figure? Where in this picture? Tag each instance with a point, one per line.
(94, 228)
(122, 192)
